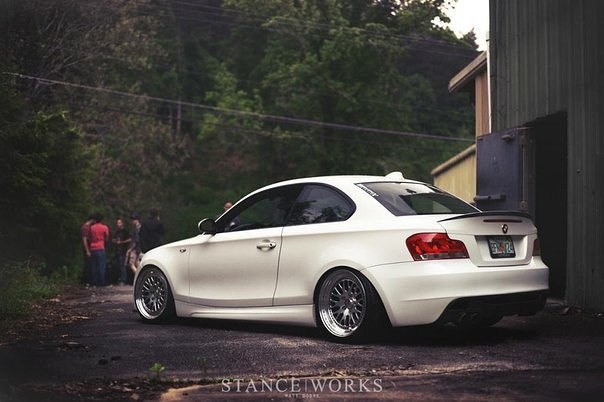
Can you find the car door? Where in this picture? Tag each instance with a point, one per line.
(237, 267)
(314, 236)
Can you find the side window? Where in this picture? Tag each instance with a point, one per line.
(265, 210)
(318, 204)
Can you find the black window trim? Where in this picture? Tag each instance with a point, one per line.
(345, 196)
(229, 215)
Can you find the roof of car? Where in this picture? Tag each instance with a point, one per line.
(340, 180)
(346, 183)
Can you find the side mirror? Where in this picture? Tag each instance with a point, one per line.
(207, 226)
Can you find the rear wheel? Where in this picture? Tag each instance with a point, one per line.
(152, 295)
(347, 306)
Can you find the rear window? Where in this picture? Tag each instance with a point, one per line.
(415, 199)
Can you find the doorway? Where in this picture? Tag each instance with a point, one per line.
(550, 194)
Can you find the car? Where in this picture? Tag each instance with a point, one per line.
(348, 254)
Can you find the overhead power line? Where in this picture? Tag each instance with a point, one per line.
(247, 130)
(261, 116)
(191, 11)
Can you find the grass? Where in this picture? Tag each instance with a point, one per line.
(22, 284)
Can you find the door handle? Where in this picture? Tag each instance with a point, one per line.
(266, 245)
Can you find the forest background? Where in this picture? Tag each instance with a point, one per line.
(118, 106)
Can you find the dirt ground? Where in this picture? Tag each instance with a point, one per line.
(72, 305)
(68, 351)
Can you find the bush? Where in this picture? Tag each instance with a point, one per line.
(45, 171)
(22, 284)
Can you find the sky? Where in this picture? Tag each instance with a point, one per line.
(468, 14)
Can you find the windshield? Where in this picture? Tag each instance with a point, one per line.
(415, 199)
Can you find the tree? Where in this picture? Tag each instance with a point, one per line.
(44, 181)
(129, 74)
(113, 45)
(339, 62)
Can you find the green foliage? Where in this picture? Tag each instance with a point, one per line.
(353, 63)
(21, 285)
(66, 151)
(157, 368)
(44, 176)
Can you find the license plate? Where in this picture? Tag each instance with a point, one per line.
(501, 247)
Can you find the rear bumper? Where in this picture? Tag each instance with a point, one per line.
(417, 293)
(526, 303)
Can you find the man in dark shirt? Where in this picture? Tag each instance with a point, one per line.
(122, 242)
(152, 231)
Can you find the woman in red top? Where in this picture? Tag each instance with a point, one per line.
(99, 235)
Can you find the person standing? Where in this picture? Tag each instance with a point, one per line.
(134, 250)
(121, 241)
(99, 235)
(152, 231)
(85, 236)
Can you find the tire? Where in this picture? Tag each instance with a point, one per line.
(152, 296)
(347, 306)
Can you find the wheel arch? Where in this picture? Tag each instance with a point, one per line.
(171, 301)
(364, 279)
(151, 265)
(166, 272)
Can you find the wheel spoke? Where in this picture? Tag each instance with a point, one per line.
(342, 303)
(152, 294)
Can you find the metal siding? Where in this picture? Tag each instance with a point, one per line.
(459, 179)
(546, 57)
(499, 171)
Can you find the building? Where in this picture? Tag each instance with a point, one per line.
(544, 150)
(458, 174)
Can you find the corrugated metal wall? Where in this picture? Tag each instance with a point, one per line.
(547, 56)
(458, 174)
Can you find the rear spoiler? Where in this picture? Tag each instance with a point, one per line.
(490, 213)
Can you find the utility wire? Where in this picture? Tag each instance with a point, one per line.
(261, 116)
(192, 8)
(272, 23)
(188, 11)
(275, 85)
(294, 135)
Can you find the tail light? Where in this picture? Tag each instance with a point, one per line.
(536, 248)
(435, 246)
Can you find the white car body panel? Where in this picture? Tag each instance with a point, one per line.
(473, 232)
(297, 314)
(227, 276)
(417, 292)
(247, 278)
(334, 245)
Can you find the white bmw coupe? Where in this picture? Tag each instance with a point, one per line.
(345, 253)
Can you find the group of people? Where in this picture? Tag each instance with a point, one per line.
(128, 246)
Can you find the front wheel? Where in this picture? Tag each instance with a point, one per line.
(347, 306)
(152, 296)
